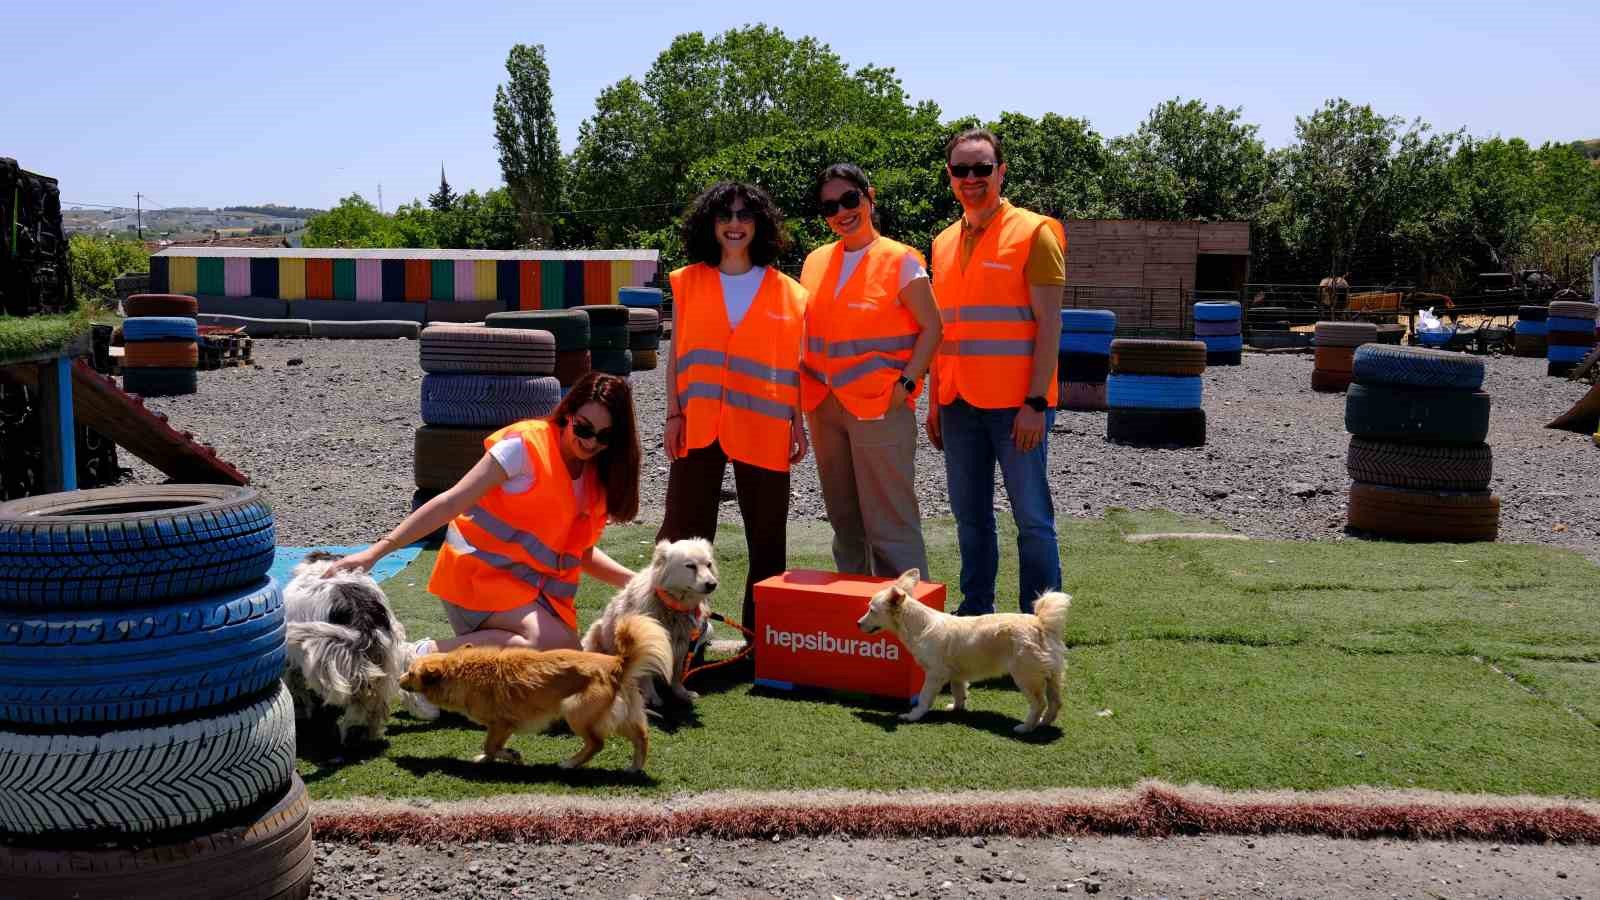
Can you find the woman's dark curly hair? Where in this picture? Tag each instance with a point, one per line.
(700, 223)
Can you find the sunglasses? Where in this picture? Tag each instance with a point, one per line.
(584, 430)
(982, 170)
(848, 200)
(728, 215)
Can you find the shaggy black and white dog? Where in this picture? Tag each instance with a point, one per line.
(346, 647)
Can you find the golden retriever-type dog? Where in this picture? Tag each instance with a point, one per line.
(962, 649)
(517, 689)
(672, 590)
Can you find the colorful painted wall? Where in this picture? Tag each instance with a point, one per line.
(513, 279)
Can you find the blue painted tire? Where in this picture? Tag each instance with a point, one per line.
(1094, 321)
(1223, 343)
(1203, 329)
(160, 328)
(1085, 342)
(1557, 353)
(1218, 311)
(1528, 326)
(64, 668)
(640, 297)
(487, 401)
(1410, 366)
(1562, 323)
(1153, 391)
(122, 547)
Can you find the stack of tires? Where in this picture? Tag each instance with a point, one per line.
(1154, 393)
(569, 327)
(1336, 350)
(1569, 334)
(161, 345)
(644, 337)
(1218, 325)
(146, 741)
(609, 335)
(1084, 358)
(1530, 331)
(478, 380)
(1417, 421)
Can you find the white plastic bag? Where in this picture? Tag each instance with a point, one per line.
(1427, 321)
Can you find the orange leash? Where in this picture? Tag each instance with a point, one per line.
(749, 648)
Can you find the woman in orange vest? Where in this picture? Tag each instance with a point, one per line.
(872, 327)
(523, 524)
(733, 378)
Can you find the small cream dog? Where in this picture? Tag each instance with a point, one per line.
(672, 590)
(962, 649)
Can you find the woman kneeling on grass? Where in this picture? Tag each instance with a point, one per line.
(525, 521)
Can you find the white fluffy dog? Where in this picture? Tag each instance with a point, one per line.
(346, 648)
(673, 591)
(962, 649)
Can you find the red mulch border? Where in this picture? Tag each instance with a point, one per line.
(1151, 812)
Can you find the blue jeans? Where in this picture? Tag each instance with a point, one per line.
(974, 440)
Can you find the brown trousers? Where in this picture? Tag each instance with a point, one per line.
(694, 493)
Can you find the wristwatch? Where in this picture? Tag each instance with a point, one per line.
(1037, 404)
(908, 384)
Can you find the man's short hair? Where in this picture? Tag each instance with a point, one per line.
(976, 134)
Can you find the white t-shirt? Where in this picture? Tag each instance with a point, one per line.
(910, 268)
(512, 455)
(739, 291)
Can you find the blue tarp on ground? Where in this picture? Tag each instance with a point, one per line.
(286, 558)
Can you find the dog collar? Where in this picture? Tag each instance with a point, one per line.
(674, 604)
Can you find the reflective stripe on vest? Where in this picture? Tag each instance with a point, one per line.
(987, 306)
(738, 387)
(859, 335)
(530, 542)
(538, 582)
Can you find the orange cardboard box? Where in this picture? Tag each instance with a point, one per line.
(808, 635)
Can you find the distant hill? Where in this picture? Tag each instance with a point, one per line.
(1591, 149)
(189, 220)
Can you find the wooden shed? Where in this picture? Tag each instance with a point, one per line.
(1193, 256)
(1149, 272)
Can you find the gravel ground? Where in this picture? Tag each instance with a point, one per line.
(1108, 866)
(328, 440)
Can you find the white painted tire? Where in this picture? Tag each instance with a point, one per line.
(147, 779)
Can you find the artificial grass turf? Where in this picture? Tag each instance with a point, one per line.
(24, 336)
(1238, 664)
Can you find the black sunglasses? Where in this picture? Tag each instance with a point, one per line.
(585, 431)
(848, 200)
(982, 170)
(728, 215)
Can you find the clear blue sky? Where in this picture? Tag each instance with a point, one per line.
(304, 103)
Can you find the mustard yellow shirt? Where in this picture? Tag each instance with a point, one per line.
(1047, 259)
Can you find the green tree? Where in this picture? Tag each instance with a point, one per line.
(530, 151)
(355, 222)
(703, 96)
(444, 198)
(1186, 161)
(96, 261)
(1054, 165)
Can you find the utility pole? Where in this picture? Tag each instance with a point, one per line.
(138, 215)
(380, 198)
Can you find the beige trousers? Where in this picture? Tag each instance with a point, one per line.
(868, 474)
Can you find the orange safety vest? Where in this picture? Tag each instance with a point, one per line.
(738, 386)
(986, 357)
(510, 548)
(859, 335)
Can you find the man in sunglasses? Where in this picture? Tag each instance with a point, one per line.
(997, 275)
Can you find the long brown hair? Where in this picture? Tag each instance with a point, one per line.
(618, 464)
